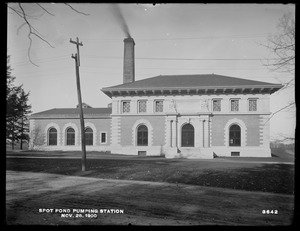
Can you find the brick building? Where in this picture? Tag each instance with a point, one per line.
(193, 116)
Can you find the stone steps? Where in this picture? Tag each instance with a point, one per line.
(195, 153)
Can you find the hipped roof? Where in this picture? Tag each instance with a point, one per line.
(189, 82)
(73, 113)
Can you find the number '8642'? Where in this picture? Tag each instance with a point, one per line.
(269, 211)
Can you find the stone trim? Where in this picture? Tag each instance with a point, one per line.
(134, 131)
(64, 134)
(93, 127)
(181, 123)
(264, 130)
(170, 131)
(210, 131)
(243, 132)
(100, 137)
(47, 128)
(115, 137)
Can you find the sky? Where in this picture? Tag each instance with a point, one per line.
(182, 34)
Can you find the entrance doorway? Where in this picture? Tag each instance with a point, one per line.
(187, 136)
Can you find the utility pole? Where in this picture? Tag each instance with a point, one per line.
(77, 64)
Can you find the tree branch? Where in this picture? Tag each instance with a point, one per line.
(75, 9)
(282, 45)
(274, 113)
(45, 9)
(16, 11)
(19, 28)
(31, 33)
(20, 13)
(287, 85)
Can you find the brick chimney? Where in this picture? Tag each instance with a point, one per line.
(128, 67)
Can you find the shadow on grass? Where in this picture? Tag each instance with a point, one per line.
(275, 178)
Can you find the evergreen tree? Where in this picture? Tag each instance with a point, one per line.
(23, 121)
(17, 110)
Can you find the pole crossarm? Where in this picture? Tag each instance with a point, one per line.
(77, 45)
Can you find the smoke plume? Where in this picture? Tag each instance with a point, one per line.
(116, 11)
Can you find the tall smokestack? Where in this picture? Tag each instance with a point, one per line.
(128, 67)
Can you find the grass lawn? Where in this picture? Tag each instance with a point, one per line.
(236, 191)
(144, 203)
(275, 178)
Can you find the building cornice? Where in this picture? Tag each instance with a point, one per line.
(219, 90)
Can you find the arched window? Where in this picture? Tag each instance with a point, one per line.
(187, 135)
(234, 135)
(142, 135)
(70, 136)
(52, 135)
(88, 136)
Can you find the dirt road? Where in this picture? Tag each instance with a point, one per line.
(87, 201)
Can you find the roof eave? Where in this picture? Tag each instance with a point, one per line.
(202, 89)
(68, 116)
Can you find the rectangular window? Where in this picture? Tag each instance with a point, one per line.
(103, 137)
(216, 105)
(159, 106)
(235, 153)
(234, 105)
(142, 106)
(252, 105)
(142, 153)
(126, 106)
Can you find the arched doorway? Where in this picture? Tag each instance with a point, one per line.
(142, 135)
(187, 136)
(234, 135)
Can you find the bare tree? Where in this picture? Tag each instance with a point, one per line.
(19, 10)
(37, 139)
(282, 46)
